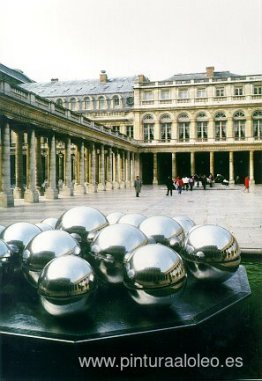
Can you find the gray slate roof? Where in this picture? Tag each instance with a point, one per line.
(15, 74)
(82, 87)
(188, 77)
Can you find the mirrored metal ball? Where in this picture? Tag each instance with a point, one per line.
(5, 262)
(114, 217)
(82, 220)
(186, 223)
(66, 286)
(51, 221)
(154, 274)
(164, 230)
(44, 227)
(18, 235)
(211, 253)
(132, 219)
(43, 248)
(110, 247)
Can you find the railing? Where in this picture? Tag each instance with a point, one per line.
(55, 109)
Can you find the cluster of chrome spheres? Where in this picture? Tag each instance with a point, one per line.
(66, 259)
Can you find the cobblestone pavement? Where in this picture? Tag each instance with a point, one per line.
(230, 207)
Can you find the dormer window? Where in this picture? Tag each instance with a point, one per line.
(116, 101)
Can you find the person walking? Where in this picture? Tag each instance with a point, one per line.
(180, 185)
(246, 183)
(137, 185)
(170, 186)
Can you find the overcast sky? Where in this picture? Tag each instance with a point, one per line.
(75, 39)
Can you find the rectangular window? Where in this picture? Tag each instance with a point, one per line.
(239, 129)
(220, 92)
(165, 132)
(165, 94)
(116, 128)
(148, 132)
(202, 131)
(183, 94)
(183, 131)
(220, 130)
(257, 90)
(257, 128)
(201, 93)
(238, 91)
(130, 131)
(148, 95)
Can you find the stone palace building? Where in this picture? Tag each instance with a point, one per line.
(89, 135)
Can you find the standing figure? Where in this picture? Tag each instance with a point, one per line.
(246, 183)
(169, 185)
(137, 185)
(180, 184)
(204, 181)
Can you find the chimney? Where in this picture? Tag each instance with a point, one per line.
(103, 76)
(210, 71)
(140, 78)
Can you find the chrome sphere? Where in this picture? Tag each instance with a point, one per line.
(186, 223)
(132, 219)
(66, 285)
(164, 230)
(51, 221)
(154, 274)
(5, 262)
(110, 247)
(44, 227)
(43, 248)
(114, 217)
(82, 220)
(18, 235)
(211, 253)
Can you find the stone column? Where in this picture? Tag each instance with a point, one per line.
(102, 184)
(81, 188)
(117, 171)
(231, 167)
(211, 131)
(192, 163)
(157, 131)
(249, 134)
(67, 189)
(174, 132)
(31, 193)
(52, 192)
(77, 165)
(6, 195)
(128, 170)
(251, 167)
(18, 190)
(211, 163)
(137, 165)
(155, 180)
(192, 131)
(230, 135)
(39, 164)
(122, 170)
(109, 180)
(93, 184)
(174, 169)
(132, 168)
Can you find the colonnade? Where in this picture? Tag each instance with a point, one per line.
(231, 168)
(39, 161)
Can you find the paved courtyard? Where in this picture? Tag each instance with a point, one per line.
(229, 207)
